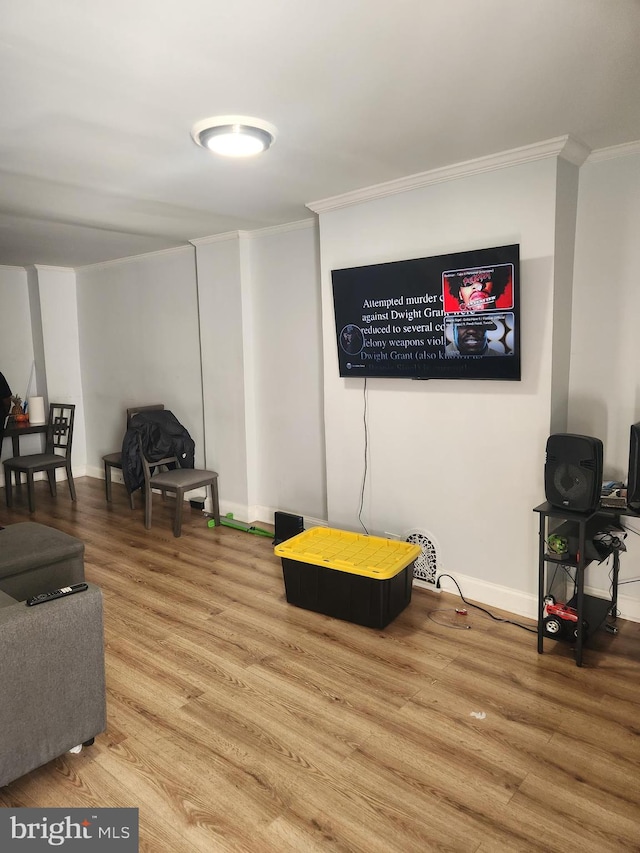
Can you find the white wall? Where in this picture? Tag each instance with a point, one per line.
(220, 296)
(39, 344)
(605, 366)
(16, 345)
(139, 344)
(565, 221)
(16, 342)
(141, 320)
(287, 356)
(57, 314)
(38, 382)
(262, 365)
(461, 460)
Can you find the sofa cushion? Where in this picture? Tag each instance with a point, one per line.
(6, 600)
(35, 558)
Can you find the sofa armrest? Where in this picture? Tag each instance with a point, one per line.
(6, 600)
(53, 684)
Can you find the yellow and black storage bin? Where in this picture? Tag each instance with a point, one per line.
(362, 579)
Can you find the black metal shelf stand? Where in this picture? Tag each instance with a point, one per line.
(590, 609)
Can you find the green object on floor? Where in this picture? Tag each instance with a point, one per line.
(228, 521)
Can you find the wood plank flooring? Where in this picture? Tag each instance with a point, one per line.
(237, 722)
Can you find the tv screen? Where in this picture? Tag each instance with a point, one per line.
(633, 481)
(453, 316)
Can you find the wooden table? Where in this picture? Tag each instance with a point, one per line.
(16, 431)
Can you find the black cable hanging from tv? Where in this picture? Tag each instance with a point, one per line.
(366, 453)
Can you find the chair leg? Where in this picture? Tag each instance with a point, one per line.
(72, 485)
(8, 491)
(31, 492)
(148, 496)
(51, 476)
(215, 503)
(108, 490)
(107, 481)
(177, 520)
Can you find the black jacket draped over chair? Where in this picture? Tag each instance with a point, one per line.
(162, 435)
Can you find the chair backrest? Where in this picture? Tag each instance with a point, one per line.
(147, 466)
(60, 428)
(135, 410)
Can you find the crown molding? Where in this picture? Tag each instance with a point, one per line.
(11, 268)
(565, 147)
(614, 151)
(129, 259)
(574, 151)
(298, 225)
(217, 238)
(50, 268)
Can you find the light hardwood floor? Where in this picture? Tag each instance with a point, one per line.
(237, 722)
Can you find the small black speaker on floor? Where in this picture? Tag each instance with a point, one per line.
(286, 525)
(573, 471)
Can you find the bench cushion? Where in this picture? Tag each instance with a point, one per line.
(35, 558)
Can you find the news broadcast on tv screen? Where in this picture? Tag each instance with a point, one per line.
(452, 316)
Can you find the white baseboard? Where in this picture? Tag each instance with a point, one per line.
(241, 512)
(116, 477)
(519, 603)
(628, 608)
(492, 595)
(61, 475)
(98, 473)
(482, 592)
(426, 585)
(265, 515)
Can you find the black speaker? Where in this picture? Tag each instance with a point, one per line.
(286, 526)
(573, 471)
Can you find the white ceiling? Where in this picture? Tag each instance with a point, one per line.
(98, 100)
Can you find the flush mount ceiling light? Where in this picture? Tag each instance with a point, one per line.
(234, 136)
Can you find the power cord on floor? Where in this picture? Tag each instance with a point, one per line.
(482, 609)
(453, 625)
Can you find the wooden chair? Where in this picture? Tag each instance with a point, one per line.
(179, 481)
(114, 460)
(57, 455)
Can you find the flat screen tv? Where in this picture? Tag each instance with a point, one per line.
(453, 316)
(633, 480)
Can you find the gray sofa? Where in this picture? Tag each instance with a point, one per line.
(51, 655)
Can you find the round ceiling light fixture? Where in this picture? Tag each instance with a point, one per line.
(234, 136)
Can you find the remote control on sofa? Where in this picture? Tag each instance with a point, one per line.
(56, 593)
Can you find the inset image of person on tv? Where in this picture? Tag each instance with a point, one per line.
(478, 289)
(351, 339)
(478, 336)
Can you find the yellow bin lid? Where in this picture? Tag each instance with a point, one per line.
(371, 556)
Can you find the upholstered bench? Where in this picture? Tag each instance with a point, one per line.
(36, 557)
(53, 694)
